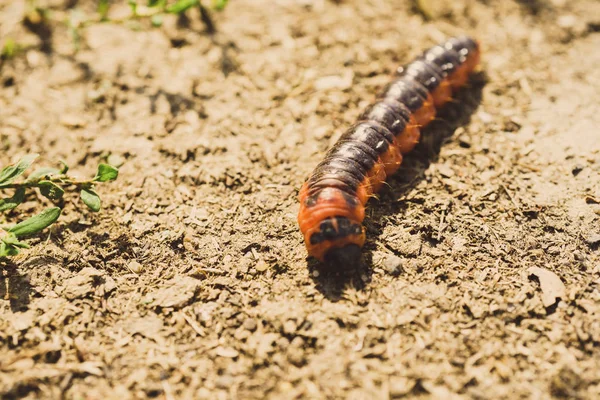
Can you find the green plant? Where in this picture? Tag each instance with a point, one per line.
(155, 9)
(9, 49)
(36, 18)
(52, 184)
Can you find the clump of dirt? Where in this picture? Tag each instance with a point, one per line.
(193, 281)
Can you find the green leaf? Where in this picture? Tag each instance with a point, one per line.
(7, 250)
(36, 223)
(181, 6)
(64, 167)
(10, 173)
(133, 5)
(12, 202)
(3, 250)
(102, 9)
(9, 49)
(10, 245)
(42, 173)
(219, 4)
(91, 199)
(50, 190)
(106, 173)
(12, 240)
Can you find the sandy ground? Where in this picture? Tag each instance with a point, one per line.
(193, 281)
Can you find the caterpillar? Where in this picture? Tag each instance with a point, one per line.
(333, 198)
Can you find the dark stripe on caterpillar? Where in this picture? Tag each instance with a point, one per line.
(332, 201)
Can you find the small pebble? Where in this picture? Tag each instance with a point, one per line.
(485, 117)
(566, 21)
(261, 266)
(445, 170)
(227, 352)
(289, 327)
(593, 239)
(392, 265)
(334, 82)
(135, 267)
(250, 324)
(296, 356)
(72, 121)
(297, 342)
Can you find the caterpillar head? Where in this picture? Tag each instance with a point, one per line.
(337, 240)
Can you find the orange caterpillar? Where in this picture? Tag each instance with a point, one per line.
(332, 201)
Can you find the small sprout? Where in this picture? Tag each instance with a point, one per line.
(75, 22)
(133, 5)
(36, 18)
(9, 237)
(9, 49)
(91, 199)
(52, 184)
(102, 9)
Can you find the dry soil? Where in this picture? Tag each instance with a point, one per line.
(481, 275)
